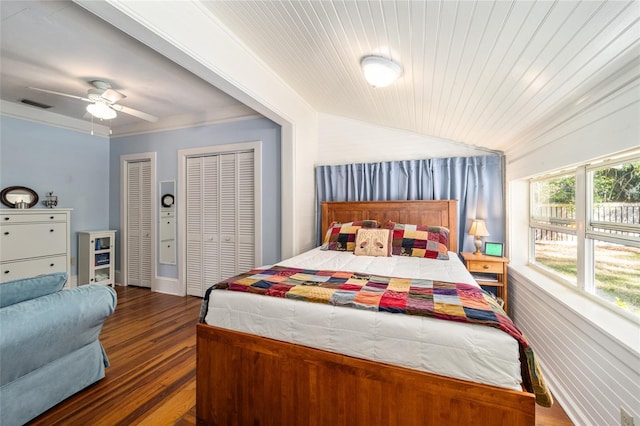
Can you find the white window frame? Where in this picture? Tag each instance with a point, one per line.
(584, 229)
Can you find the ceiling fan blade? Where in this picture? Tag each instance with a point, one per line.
(135, 113)
(60, 94)
(112, 96)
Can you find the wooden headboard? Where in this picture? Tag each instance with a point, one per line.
(433, 213)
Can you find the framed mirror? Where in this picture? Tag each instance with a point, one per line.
(15, 194)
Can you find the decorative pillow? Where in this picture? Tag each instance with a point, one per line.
(12, 292)
(373, 242)
(419, 240)
(342, 236)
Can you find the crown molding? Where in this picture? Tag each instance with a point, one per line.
(24, 112)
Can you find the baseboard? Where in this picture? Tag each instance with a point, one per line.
(163, 285)
(167, 285)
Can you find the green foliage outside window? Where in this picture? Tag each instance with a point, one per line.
(614, 208)
(617, 184)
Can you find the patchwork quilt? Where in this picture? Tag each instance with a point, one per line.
(448, 301)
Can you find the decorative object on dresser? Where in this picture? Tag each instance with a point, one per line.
(96, 257)
(18, 197)
(478, 229)
(489, 271)
(51, 201)
(34, 242)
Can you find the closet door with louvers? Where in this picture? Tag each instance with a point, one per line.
(246, 234)
(220, 218)
(139, 224)
(210, 222)
(194, 226)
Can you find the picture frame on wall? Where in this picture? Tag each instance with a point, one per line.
(493, 249)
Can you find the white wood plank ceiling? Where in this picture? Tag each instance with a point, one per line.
(477, 72)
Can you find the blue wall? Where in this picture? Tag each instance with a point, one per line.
(166, 144)
(72, 164)
(84, 170)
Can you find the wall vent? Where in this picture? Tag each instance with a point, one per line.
(35, 104)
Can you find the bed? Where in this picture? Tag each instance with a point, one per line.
(251, 372)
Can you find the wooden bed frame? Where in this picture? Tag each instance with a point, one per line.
(244, 379)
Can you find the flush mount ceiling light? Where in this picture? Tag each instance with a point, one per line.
(101, 110)
(379, 71)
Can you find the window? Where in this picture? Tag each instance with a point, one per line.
(585, 229)
(553, 225)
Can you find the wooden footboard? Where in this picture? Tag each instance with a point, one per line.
(248, 380)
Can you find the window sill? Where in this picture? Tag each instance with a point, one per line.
(618, 326)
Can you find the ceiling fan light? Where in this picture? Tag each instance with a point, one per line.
(101, 110)
(379, 71)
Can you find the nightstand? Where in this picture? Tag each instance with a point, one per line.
(489, 271)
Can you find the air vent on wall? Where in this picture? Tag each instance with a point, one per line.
(35, 104)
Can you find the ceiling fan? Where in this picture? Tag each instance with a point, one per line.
(103, 102)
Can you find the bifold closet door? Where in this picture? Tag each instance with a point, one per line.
(246, 211)
(220, 218)
(139, 224)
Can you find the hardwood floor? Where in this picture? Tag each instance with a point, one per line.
(150, 342)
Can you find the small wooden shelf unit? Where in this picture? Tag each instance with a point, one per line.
(96, 257)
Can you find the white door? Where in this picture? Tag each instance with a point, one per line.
(194, 226)
(246, 213)
(139, 220)
(210, 216)
(220, 207)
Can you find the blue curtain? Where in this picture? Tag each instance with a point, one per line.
(476, 182)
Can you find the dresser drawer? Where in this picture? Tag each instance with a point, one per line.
(9, 218)
(481, 266)
(33, 240)
(30, 268)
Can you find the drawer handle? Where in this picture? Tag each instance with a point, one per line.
(486, 266)
(7, 218)
(50, 230)
(52, 264)
(51, 217)
(6, 272)
(6, 233)
(91, 279)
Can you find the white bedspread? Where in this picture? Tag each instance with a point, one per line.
(459, 350)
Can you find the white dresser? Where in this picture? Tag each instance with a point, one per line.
(34, 242)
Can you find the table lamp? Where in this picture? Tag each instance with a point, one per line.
(479, 229)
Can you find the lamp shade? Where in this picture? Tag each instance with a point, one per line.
(379, 71)
(101, 110)
(478, 228)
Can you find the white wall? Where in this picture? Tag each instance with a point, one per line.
(590, 355)
(343, 141)
(589, 370)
